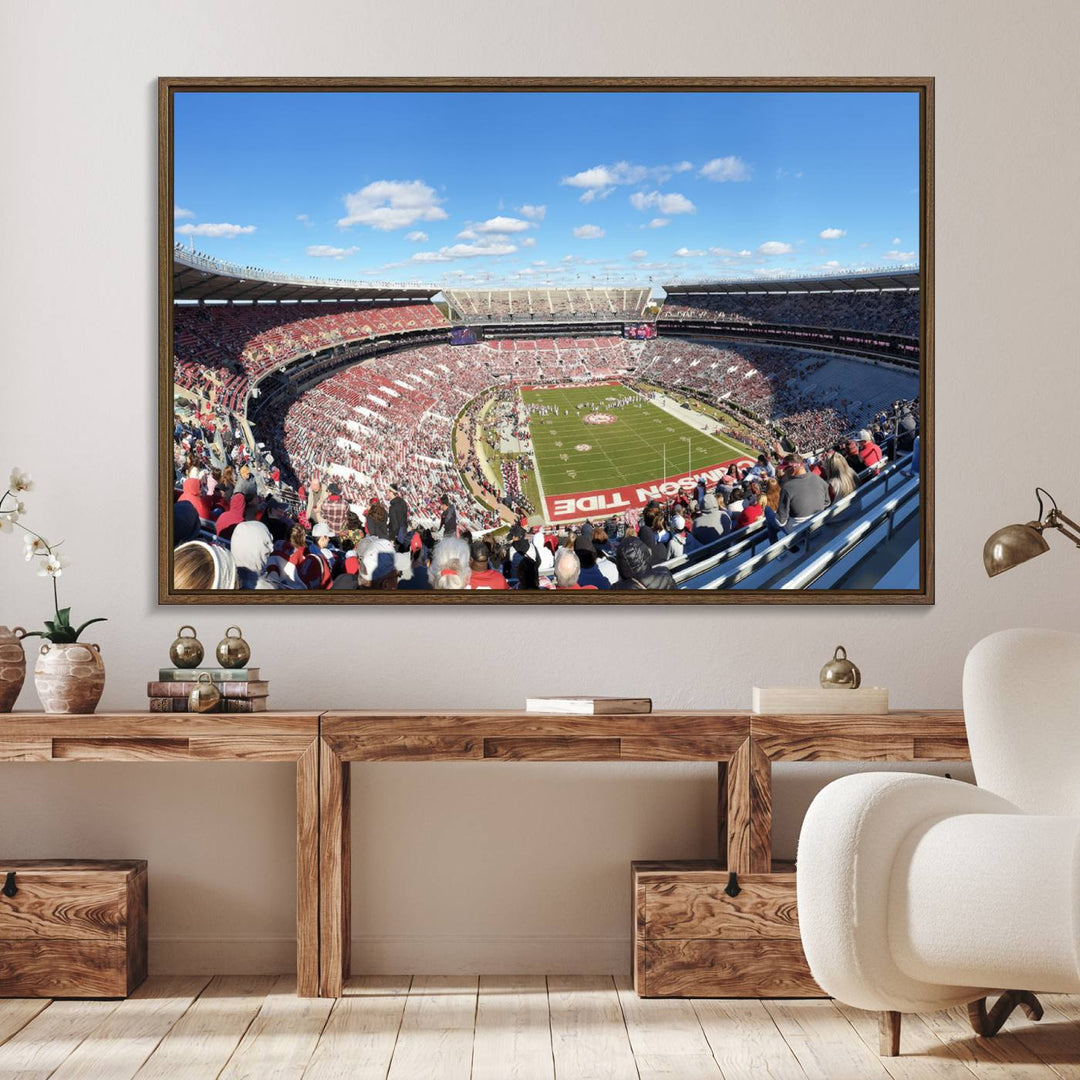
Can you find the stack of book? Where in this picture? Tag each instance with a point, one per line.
(241, 689)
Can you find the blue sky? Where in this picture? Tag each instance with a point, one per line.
(548, 188)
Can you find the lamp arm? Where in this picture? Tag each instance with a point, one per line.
(1056, 519)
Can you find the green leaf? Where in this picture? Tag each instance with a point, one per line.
(86, 624)
(63, 617)
(50, 625)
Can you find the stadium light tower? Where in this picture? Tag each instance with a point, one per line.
(1015, 544)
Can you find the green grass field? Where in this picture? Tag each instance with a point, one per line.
(629, 451)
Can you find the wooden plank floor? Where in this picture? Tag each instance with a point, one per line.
(524, 1027)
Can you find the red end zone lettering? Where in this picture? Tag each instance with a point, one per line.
(564, 508)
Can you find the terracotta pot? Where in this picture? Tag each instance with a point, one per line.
(12, 666)
(69, 678)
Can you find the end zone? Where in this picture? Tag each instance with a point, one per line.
(560, 509)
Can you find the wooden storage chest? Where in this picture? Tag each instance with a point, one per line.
(71, 928)
(693, 939)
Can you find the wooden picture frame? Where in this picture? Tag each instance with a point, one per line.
(922, 87)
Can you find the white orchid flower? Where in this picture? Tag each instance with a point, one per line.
(34, 545)
(53, 566)
(20, 481)
(7, 520)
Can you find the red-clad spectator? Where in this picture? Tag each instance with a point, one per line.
(751, 512)
(192, 493)
(482, 576)
(232, 517)
(334, 510)
(869, 452)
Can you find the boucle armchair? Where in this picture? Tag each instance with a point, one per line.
(919, 893)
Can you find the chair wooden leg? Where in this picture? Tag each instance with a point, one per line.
(889, 1033)
(988, 1024)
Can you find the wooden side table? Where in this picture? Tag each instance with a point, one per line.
(503, 736)
(137, 736)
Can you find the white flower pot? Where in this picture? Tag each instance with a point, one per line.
(69, 678)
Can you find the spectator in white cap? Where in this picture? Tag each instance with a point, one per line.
(869, 452)
(681, 542)
(322, 535)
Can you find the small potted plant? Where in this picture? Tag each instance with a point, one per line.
(69, 674)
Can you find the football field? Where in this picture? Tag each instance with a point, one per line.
(597, 445)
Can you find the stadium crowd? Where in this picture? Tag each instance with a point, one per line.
(357, 483)
(230, 535)
(892, 312)
(504, 305)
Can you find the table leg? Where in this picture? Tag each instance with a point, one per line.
(307, 872)
(334, 872)
(749, 810)
(722, 813)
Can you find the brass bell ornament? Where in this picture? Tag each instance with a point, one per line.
(204, 695)
(233, 652)
(840, 673)
(186, 652)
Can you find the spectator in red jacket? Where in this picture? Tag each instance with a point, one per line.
(232, 517)
(869, 452)
(192, 493)
(751, 512)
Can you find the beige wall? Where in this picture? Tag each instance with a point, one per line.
(494, 867)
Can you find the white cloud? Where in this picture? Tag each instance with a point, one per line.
(745, 253)
(465, 251)
(722, 169)
(832, 264)
(501, 224)
(392, 204)
(641, 253)
(774, 247)
(533, 213)
(416, 236)
(599, 181)
(528, 241)
(657, 223)
(325, 251)
(467, 234)
(832, 234)
(221, 229)
(179, 212)
(899, 256)
(540, 262)
(896, 241)
(688, 253)
(589, 232)
(723, 252)
(666, 203)
(304, 218)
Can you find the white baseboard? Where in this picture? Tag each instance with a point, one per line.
(430, 954)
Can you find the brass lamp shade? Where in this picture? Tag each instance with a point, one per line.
(1012, 545)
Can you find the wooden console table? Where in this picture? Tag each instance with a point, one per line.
(323, 745)
(136, 736)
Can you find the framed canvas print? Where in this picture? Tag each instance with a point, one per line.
(576, 341)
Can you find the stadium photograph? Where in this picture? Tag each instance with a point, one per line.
(545, 342)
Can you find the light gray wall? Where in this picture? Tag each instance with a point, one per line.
(494, 867)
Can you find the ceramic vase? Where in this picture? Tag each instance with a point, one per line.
(69, 678)
(12, 666)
